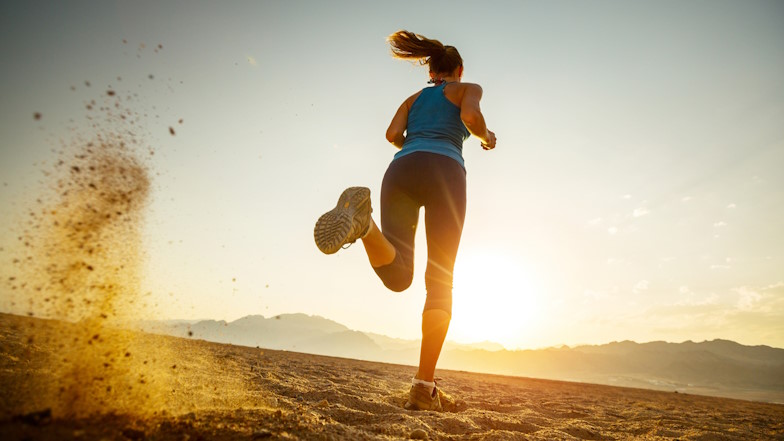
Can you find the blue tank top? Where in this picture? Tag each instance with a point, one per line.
(434, 126)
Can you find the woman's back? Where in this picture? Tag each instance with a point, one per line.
(434, 126)
(433, 123)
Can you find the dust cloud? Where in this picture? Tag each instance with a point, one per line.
(79, 260)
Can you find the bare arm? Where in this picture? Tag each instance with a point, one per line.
(397, 128)
(472, 116)
(396, 133)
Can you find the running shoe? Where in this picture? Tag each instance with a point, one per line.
(344, 224)
(420, 398)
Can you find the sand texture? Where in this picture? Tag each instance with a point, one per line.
(215, 391)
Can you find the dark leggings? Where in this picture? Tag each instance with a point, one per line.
(437, 183)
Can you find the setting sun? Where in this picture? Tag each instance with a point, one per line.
(495, 298)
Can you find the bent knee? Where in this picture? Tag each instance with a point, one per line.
(397, 276)
(399, 284)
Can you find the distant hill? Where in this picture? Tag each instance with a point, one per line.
(293, 332)
(718, 367)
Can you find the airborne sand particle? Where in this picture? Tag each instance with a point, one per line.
(82, 246)
(79, 260)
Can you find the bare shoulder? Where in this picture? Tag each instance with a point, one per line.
(410, 100)
(467, 94)
(472, 88)
(457, 92)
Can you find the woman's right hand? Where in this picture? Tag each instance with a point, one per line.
(489, 142)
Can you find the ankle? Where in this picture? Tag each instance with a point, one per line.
(431, 385)
(368, 230)
(372, 229)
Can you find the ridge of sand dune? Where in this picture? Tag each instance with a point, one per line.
(234, 392)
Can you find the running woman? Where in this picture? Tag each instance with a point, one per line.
(428, 171)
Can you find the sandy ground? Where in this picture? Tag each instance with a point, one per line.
(233, 392)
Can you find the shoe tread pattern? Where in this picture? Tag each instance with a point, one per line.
(333, 227)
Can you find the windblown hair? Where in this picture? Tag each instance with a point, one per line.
(410, 46)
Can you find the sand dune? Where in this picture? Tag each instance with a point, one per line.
(233, 392)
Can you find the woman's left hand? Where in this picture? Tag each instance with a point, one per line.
(490, 144)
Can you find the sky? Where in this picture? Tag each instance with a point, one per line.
(636, 191)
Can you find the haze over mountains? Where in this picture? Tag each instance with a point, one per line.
(718, 367)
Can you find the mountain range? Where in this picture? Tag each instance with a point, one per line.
(718, 367)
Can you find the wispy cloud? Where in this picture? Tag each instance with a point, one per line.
(767, 299)
(641, 287)
(594, 222)
(731, 206)
(719, 224)
(691, 298)
(748, 314)
(720, 267)
(747, 298)
(642, 210)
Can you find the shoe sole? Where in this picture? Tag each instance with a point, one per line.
(412, 406)
(333, 227)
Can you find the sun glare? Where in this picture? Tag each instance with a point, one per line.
(495, 298)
